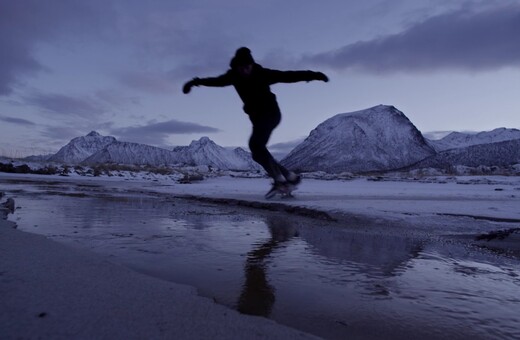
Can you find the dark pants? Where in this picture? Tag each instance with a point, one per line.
(263, 126)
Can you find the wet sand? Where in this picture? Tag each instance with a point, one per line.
(389, 253)
(50, 290)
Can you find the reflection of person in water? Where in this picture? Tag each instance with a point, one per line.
(258, 296)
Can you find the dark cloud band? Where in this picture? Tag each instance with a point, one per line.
(66, 105)
(157, 133)
(18, 121)
(459, 40)
(25, 24)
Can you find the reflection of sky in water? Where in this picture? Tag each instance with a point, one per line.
(321, 278)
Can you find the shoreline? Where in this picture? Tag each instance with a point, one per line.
(57, 291)
(50, 290)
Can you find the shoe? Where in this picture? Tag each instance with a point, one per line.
(295, 181)
(277, 188)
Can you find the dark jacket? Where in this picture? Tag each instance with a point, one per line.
(254, 90)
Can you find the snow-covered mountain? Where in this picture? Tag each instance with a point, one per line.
(132, 153)
(95, 149)
(206, 152)
(461, 140)
(376, 139)
(492, 154)
(380, 138)
(81, 148)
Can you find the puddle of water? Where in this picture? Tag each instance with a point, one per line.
(320, 278)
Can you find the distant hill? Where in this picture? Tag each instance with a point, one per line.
(491, 154)
(461, 140)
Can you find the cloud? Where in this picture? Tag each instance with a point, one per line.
(464, 40)
(280, 150)
(15, 61)
(25, 24)
(18, 34)
(61, 134)
(157, 133)
(151, 82)
(18, 121)
(84, 106)
(175, 40)
(172, 39)
(116, 99)
(66, 105)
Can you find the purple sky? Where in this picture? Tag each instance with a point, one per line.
(68, 67)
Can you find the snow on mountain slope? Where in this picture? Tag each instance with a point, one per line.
(375, 139)
(200, 152)
(246, 157)
(81, 148)
(206, 152)
(460, 140)
(97, 149)
(133, 153)
(492, 154)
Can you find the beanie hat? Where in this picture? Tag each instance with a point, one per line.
(242, 57)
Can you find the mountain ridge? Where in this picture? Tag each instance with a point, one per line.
(504, 153)
(380, 138)
(460, 139)
(95, 149)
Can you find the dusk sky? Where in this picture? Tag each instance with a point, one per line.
(68, 67)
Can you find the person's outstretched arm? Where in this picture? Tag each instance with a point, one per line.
(276, 76)
(220, 81)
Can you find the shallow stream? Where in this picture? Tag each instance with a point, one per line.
(331, 279)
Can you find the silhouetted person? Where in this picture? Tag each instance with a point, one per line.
(252, 83)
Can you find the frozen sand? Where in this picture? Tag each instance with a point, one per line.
(489, 197)
(54, 291)
(440, 205)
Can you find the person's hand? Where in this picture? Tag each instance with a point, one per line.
(187, 87)
(321, 76)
